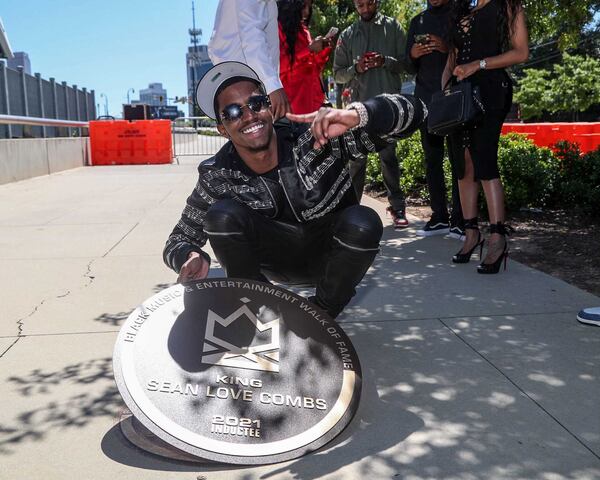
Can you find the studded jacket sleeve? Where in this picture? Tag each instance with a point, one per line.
(391, 117)
(189, 235)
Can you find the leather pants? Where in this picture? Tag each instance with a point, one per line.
(332, 253)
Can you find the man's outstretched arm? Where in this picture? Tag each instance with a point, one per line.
(382, 119)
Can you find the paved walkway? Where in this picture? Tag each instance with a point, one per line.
(465, 377)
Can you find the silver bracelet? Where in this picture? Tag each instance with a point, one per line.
(363, 114)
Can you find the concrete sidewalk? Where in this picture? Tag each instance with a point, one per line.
(465, 376)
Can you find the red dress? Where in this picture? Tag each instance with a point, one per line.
(302, 80)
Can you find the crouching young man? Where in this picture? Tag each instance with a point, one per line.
(276, 202)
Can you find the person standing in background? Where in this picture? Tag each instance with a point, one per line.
(246, 31)
(485, 38)
(301, 58)
(427, 48)
(370, 55)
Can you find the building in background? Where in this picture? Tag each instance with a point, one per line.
(198, 63)
(5, 51)
(26, 95)
(155, 95)
(20, 59)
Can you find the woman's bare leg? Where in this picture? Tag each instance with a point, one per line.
(469, 190)
(494, 197)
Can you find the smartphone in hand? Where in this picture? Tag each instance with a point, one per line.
(422, 38)
(333, 31)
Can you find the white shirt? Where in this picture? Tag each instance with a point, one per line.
(246, 31)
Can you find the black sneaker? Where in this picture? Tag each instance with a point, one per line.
(457, 232)
(433, 228)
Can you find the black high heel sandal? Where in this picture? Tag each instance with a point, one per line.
(471, 224)
(488, 268)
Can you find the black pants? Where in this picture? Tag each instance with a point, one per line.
(333, 252)
(433, 147)
(390, 169)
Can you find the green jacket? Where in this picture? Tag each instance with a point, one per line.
(382, 34)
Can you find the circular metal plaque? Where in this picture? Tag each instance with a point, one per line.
(237, 371)
(141, 437)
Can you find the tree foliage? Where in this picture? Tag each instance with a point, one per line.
(571, 86)
(564, 19)
(532, 94)
(547, 19)
(575, 86)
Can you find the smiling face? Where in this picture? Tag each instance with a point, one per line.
(253, 132)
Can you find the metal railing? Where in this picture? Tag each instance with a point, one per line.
(191, 135)
(43, 122)
(195, 136)
(25, 95)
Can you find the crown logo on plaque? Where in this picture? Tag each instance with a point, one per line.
(263, 357)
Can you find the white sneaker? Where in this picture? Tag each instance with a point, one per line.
(457, 233)
(591, 316)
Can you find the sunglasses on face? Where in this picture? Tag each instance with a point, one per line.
(235, 111)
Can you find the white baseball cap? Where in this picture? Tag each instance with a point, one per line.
(209, 84)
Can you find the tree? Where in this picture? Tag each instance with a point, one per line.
(532, 94)
(341, 13)
(553, 23)
(562, 19)
(572, 86)
(575, 86)
(548, 19)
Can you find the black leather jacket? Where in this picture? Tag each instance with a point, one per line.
(310, 182)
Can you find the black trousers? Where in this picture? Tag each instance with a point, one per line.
(333, 252)
(433, 147)
(390, 170)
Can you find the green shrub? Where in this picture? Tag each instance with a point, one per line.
(412, 160)
(567, 153)
(529, 173)
(412, 163)
(374, 178)
(579, 183)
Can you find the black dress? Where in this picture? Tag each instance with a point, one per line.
(476, 37)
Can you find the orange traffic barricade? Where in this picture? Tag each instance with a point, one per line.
(120, 142)
(587, 135)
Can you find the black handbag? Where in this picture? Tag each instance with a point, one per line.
(454, 107)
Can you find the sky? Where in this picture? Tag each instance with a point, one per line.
(108, 46)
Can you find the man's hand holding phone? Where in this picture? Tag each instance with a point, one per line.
(426, 43)
(370, 60)
(437, 43)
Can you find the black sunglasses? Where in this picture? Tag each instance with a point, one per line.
(234, 111)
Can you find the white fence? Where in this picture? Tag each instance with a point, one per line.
(195, 136)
